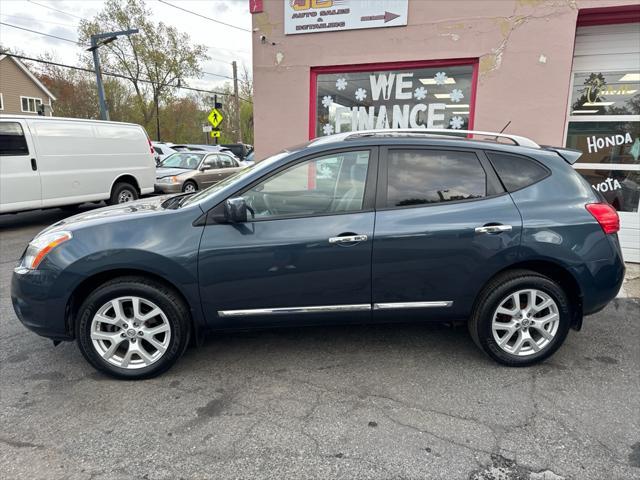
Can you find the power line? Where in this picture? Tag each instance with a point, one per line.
(111, 74)
(39, 33)
(75, 42)
(37, 20)
(56, 10)
(204, 16)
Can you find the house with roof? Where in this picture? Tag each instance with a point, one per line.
(20, 90)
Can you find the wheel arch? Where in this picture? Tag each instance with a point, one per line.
(82, 290)
(126, 178)
(555, 272)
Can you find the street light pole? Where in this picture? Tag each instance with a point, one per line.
(97, 41)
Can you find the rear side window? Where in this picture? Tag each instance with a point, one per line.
(158, 150)
(12, 141)
(417, 177)
(516, 172)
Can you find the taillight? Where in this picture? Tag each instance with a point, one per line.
(606, 216)
(153, 152)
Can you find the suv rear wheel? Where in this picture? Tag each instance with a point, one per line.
(132, 328)
(520, 318)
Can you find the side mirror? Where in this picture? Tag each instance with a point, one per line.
(235, 210)
(205, 167)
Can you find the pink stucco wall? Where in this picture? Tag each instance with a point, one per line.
(507, 36)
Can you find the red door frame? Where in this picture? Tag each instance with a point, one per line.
(374, 67)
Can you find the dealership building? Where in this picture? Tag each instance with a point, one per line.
(563, 72)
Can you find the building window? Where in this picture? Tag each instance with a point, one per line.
(604, 125)
(372, 97)
(30, 104)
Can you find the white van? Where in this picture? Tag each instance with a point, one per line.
(55, 162)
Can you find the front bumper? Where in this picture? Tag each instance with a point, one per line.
(167, 188)
(37, 303)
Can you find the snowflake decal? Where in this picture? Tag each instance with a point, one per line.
(456, 95)
(440, 78)
(456, 122)
(327, 101)
(327, 129)
(341, 83)
(420, 93)
(361, 94)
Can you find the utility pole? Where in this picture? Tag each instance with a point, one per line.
(215, 105)
(97, 41)
(236, 103)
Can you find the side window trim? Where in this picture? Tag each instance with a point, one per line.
(370, 189)
(493, 185)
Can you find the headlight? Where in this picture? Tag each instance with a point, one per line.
(172, 179)
(40, 246)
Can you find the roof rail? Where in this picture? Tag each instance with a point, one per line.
(516, 139)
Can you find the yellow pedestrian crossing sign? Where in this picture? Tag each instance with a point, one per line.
(215, 133)
(215, 118)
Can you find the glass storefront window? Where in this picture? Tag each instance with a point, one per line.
(604, 123)
(606, 142)
(606, 93)
(621, 188)
(434, 97)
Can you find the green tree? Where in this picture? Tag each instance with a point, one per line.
(153, 60)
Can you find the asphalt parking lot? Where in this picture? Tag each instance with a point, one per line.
(403, 401)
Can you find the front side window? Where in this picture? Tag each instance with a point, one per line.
(184, 160)
(329, 184)
(429, 97)
(422, 177)
(12, 139)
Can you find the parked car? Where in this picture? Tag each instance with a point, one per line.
(162, 150)
(248, 161)
(58, 162)
(240, 150)
(402, 225)
(191, 171)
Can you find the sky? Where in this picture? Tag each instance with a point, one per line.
(224, 43)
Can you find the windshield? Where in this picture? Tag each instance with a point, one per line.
(207, 192)
(186, 160)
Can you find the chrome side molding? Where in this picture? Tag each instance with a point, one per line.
(360, 307)
(357, 307)
(399, 305)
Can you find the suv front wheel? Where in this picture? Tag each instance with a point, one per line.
(520, 318)
(132, 328)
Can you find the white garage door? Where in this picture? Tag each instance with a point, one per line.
(604, 120)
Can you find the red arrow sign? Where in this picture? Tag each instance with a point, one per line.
(387, 17)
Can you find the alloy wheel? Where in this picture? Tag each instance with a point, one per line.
(189, 188)
(525, 322)
(130, 332)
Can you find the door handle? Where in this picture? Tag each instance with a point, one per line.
(348, 239)
(34, 164)
(494, 229)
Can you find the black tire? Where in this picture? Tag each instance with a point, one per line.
(191, 183)
(480, 322)
(122, 190)
(174, 308)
